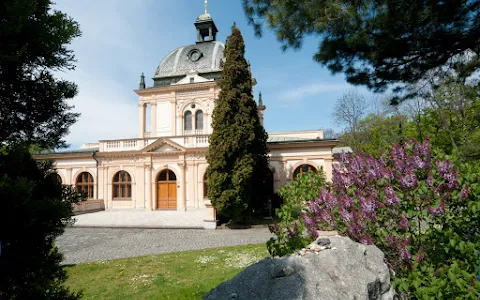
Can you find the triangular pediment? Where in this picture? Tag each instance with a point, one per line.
(163, 146)
(192, 78)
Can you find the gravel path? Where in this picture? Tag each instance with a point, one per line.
(94, 244)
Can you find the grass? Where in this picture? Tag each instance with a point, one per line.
(181, 275)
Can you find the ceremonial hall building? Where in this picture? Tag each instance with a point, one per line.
(164, 168)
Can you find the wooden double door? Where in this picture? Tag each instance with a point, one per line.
(167, 190)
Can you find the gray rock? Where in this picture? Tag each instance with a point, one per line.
(351, 271)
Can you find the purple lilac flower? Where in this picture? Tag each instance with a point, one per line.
(409, 181)
(429, 180)
(319, 199)
(345, 215)
(391, 240)
(465, 192)
(439, 189)
(307, 220)
(366, 240)
(398, 156)
(344, 157)
(313, 208)
(443, 167)
(356, 166)
(368, 206)
(347, 202)
(328, 219)
(438, 210)
(391, 196)
(404, 223)
(330, 199)
(419, 163)
(452, 179)
(388, 174)
(405, 254)
(420, 255)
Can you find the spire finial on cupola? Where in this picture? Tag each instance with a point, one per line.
(142, 82)
(260, 101)
(206, 6)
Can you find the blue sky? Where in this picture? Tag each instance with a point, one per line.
(121, 39)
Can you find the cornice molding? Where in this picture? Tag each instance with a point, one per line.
(176, 88)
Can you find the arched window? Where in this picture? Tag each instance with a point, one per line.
(303, 169)
(187, 125)
(58, 178)
(205, 186)
(84, 184)
(122, 186)
(199, 120)
(167, 175)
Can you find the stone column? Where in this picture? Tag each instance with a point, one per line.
(141, 120)
(196, 192)
(210, 33)
(183, 183)
(68, 177)
(154, 119)
(329, 169)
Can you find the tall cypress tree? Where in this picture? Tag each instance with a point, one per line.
(237, 155)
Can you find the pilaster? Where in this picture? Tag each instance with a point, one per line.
(141, 120)
(183, 183)
(154, 119)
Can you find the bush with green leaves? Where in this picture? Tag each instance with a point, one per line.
(419, 208)
(288, 224)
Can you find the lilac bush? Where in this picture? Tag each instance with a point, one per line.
(401, 201)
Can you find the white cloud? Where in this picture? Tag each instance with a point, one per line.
(313, 89)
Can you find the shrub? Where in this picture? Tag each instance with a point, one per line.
(288, 224)
(418, 208)
(35, 209)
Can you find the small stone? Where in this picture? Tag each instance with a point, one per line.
(323, 242)
(288, 271)
(233, 296)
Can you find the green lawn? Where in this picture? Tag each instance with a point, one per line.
(181, 275)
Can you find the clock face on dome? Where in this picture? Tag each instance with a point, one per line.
(194, 55)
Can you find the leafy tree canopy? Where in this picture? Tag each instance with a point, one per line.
(378, 43)
(34, 40)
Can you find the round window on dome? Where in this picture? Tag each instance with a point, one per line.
(193, 106)
(194, 55)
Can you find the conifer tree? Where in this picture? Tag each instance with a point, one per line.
(34, 115)
(237, 155)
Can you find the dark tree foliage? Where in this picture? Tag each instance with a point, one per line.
(378, 43)
(33, 44)
(237, 155)
(35, 208)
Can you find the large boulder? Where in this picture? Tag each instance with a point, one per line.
(345, 270)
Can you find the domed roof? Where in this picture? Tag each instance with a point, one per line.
(204, 17)
(201, 57)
